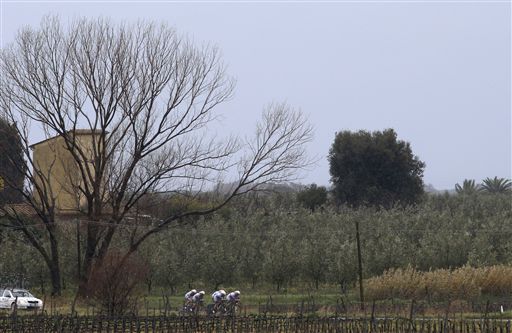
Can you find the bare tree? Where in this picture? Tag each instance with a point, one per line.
(147, 95)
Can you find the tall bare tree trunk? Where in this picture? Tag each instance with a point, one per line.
(89, 255)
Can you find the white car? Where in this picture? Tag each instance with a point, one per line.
(20, 298)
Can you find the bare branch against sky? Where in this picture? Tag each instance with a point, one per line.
(439, 73)
(144, 97)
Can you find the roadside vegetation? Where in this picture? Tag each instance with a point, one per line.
(445, 247)
(464, 283)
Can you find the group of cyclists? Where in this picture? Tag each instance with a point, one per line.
(221, 300)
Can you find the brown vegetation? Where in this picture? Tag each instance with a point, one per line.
(464, 283)
(112, 285)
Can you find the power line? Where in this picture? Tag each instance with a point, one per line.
(188, 228)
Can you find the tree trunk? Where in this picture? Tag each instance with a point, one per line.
(55, 273)
(90, 251)
(41, 281)
(55, 278)
(94, 253)
(149, 283)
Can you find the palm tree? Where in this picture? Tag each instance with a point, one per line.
(497, 185)
(468, 187)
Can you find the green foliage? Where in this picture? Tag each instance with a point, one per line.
(312, 196)
(218, 250)
(251, 252)
(12, 165)
(19, 262)
(314, 256)
(172, 260)
(374, 169)
(280, 262)
(270, 244)
(497, 185)
(469, 187)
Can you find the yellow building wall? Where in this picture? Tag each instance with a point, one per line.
(60, 171)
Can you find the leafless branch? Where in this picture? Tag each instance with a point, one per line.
(146, 96)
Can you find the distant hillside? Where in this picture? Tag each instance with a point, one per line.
(280, 188)
(429, 188)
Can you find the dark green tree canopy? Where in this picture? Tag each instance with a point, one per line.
(11, 164)
(374, 168)
(312, 196)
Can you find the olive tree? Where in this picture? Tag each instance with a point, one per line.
(313, 247)
(281, 263)
(312, 196)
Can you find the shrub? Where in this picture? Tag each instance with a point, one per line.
(464, 283)
(113, 286)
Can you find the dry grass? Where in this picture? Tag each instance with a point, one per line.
(465, 283)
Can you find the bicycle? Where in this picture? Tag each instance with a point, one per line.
(216, 308)
(192, 308)
(233, 308)
(223, 308)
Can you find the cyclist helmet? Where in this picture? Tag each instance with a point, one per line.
(194, 291)
(222, 292)
(202, 292)
(237, 292)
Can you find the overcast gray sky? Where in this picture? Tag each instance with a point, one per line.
(439, 73)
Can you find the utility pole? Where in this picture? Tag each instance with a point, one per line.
(360, 265)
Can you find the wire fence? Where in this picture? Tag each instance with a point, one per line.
(307, 315)
(255, 323)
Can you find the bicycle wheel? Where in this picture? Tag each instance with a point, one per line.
(210, 310)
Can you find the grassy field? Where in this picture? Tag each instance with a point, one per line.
(321, 303)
